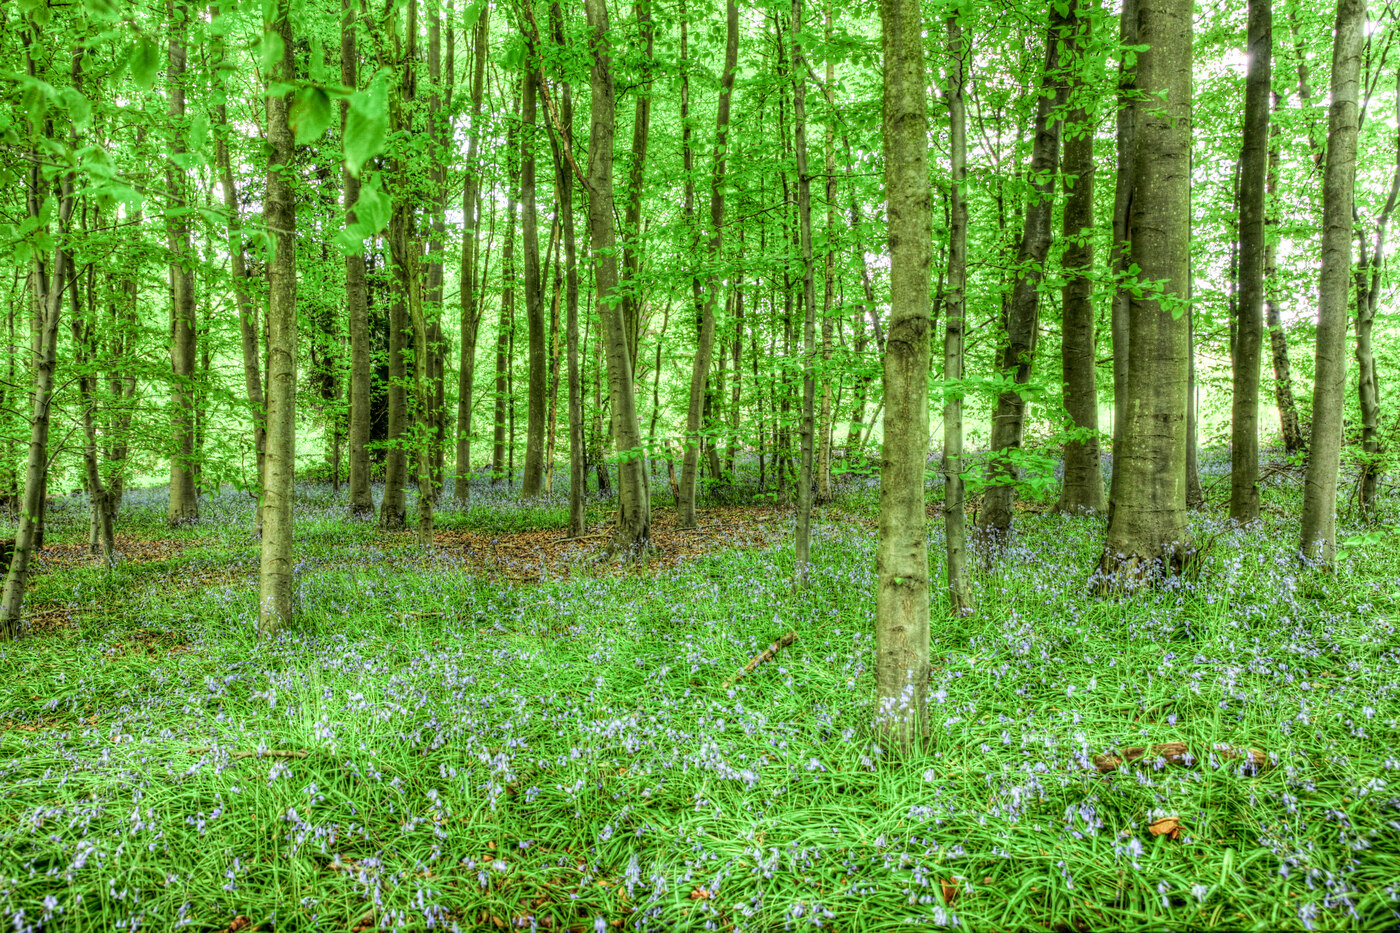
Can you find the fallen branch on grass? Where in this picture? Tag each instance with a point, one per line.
(763, 657)
(1176, 753)
(265, 753)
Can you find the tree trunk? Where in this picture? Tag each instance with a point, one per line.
(1022, 323)
(633, 534)
(636, 174)
(46, 282)
(1319, 538)
(1289, 425)
(276, 584)
(1147, 527)
(1083, 486)
(1120, 256)
(533, 482)
(184, 498)
(824, 493)
(470, 287)
(704, 350)
(802, 545)
(506, 323)
(955, 324)
(901, 605)
(357, 302)
(1249, 328)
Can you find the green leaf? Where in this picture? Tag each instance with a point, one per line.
(102, 9)
(79, 110)
(472, 13)
(310, 114)
(366, 127)
(272, 49)
(145, 59)
(372, 209)
(199, 131)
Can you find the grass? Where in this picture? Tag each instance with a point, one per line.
(434, 749)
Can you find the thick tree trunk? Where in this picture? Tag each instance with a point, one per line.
(633, 534)
(184, 498)
(470, 287)
(802, 546)
(901, 603)
(1147, 527)
(1249, 328)
(1319, 538)
(276, 584)
(1120, 255)
(955, 324)
(1083, 486)
(1022, 323)
(357, 303)
(533, 482)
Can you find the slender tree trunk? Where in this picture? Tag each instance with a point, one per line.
(506, 324)
(955, 324)
(357, 301)
(1120, 256)
(802, 548)
(470, 287)
(1147, 527)
(533, 482)
(636, 174)
(704, 350)
(1319, 538)
(1083, 487)
(101, 543)
(1249, 329)
(1022, 323)
(276, 584)
(633, 534)
(1289, 425)
(901, 603)
(824, 493)
(184, 498)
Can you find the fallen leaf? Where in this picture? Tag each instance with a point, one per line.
(1169, 826)
(700, 894)
(239, 922)
(950, 891)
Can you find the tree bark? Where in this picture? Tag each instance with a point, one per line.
(184, 499)
(506, 323)
(1319, 526)
(901, 605)
(1083, 486)
(1022, 323)
(1147, 527)
(276, 584)
(1249, 328)
(1289, 424)
(955, 326)
(633, 534)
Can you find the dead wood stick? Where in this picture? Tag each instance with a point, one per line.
(1176, 753)
(763, 657)
(266, 753)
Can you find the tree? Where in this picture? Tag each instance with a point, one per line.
(275, 581)
(955, 325)
(184, 501)
(1083, 487)
(356, 298)
(1249, 329)
(1022, 322)
(809, 297)
(901, 602)
(470, 283)
(533, 482)
(632, 536)
(1147, 524)
(1319, 525)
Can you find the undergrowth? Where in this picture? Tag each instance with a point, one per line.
(430, 748)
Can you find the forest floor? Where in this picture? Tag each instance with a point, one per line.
(501, 733)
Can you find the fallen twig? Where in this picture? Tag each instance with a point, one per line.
(265, 753)
(1176, 753)
(763, 657)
